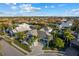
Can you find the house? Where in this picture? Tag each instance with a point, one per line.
(22, 27)
(9, 32)
(63, 20)
(65, 24)
(73, 50)
(75, 42)
(30, 34)
(33, 27)
(44, 32)
(44, 36)
(46, 29)
(33, 32)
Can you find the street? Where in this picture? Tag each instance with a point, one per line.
(10, 50)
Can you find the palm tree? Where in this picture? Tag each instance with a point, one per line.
(68, 35)
(59, 42)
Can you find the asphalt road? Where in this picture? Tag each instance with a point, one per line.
(10, 50)
(71, 52)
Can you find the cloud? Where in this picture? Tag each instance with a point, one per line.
(13, 7)
(52, 6)
(75, 11)
(72, 12)
(28, 8)
(2, 13)
(46, 6)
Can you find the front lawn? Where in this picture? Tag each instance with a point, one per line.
(46, 48)
(25, 47)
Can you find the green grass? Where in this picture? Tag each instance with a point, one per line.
(25, 47)
(46, 48)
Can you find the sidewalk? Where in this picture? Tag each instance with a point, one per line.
(20, 48)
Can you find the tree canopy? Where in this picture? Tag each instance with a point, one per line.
(59, 43)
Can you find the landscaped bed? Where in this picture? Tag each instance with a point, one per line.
(25, 47)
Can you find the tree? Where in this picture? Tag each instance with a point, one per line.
(21, 35)
(37, 27)
(48, 41)
(55, 34)
(3, 28)
(68, 35)
(59, 43)
(13, 26)
(51, 44)
(75, 26)
(32, 40)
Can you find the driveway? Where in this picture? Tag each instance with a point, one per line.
(10, 50)
(36, 50)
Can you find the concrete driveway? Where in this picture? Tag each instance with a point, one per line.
(36, 50)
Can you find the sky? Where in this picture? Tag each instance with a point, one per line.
(39, 9)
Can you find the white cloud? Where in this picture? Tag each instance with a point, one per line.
(29, 8)
(72, 12)
(46, 6)
(75, 11)
(52, 6)
(13, 7)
